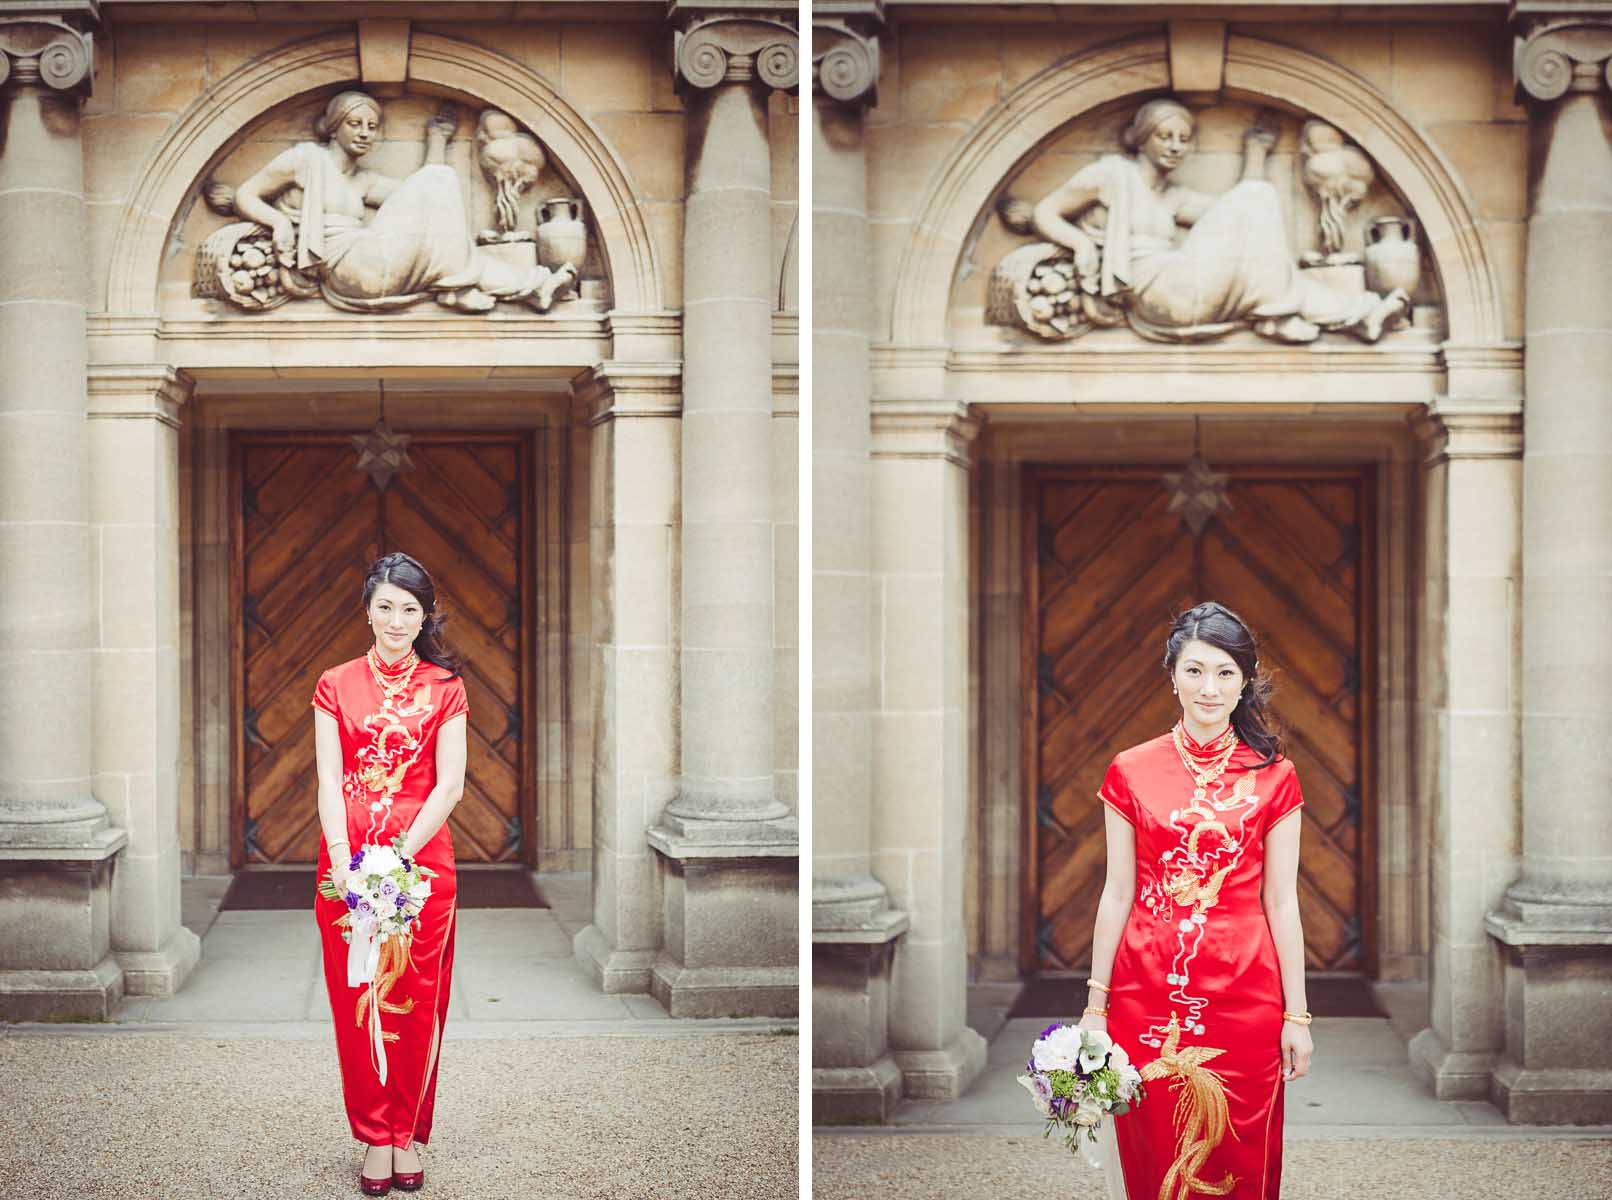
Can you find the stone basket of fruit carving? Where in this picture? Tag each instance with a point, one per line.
(1034, 287)
(236, 264)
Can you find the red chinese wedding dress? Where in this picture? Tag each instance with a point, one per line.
(389, 719)
(1196, 994)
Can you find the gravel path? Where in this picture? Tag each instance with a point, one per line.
(110, 1117)
(1028, 1168)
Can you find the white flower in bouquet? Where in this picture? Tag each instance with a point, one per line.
(380, 860)
(1088, 1113)
(1058, 1050)
(1040, 1092)
(1094, 1049)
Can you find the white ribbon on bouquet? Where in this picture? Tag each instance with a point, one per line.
(363, 961)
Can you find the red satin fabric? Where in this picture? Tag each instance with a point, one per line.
(398, 1113)
(1197, 993)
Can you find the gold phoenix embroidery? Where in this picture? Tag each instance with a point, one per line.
(1201, 1118)
(394, 958)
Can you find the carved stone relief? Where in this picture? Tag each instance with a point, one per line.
(1134, 239)
(321, 220)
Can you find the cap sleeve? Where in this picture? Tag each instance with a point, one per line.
(1116, 793)
(324, 696)
(1286, 798)
(454, 701)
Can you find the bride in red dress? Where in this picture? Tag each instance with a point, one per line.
(389, 732)
(1197, 954)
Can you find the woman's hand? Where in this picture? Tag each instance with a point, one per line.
(1093, 1022)
(444, 124)
(1297, 1047)
(285, 240)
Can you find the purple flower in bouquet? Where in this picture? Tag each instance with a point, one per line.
(352, 901)
(358, 861)
(366, 908)
(389, 890)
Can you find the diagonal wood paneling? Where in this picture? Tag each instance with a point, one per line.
(1111, 568)
(307, 526)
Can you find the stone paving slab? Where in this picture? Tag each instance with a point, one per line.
(923, 1166)
(114, 1116)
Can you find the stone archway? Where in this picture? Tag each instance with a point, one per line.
(969, 178)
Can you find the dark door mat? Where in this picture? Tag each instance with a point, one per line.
(1064, 998)
(479, 887)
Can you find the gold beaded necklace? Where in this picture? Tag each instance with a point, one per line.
(391, 689)
(1204, 776)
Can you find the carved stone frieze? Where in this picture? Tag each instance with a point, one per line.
(47, 51)
(718, 48)
(1552, 56)
(372, 242)
(1123, 243)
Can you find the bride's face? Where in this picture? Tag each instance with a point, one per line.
(358, 130)
(1169, 144)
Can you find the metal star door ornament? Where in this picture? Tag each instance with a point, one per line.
(1197, 493)
(382, 454)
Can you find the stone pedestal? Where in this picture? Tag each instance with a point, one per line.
(731, 926)
(1472, 592)
(55, 932)
(1555, 923)
(727, 58)
(56, 846)
(854, 932)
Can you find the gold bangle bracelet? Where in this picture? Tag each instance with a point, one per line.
(1092, 1011)
(1302, 1018)
(1101, 987)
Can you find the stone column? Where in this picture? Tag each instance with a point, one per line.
(631, 411)
(1556, 920)
(853, 926)
(56, 845)
(729, 847)
(1471, 599)
(134, 530)
(920, 751)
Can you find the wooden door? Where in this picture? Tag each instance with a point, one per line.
(1110, 568)
(307, 525)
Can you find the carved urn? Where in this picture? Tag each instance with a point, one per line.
(1393, 260)
(562, 234)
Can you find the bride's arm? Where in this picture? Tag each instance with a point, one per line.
(433, 814)
(1281, 901)
(332, 807)
(1113, 909)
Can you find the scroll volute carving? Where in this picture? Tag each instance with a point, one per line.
(46, 51)
(726, 49)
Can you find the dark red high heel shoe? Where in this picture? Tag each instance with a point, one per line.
(373, 1187)
(408, 1181)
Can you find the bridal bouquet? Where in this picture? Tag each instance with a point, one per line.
(1076, 1078)
(385, 894)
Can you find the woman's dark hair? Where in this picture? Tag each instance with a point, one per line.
(1225, 630)
(402, 571)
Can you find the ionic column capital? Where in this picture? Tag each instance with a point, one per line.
(845, 60)
(752, 44)
(1555, 53)
(38, 47)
